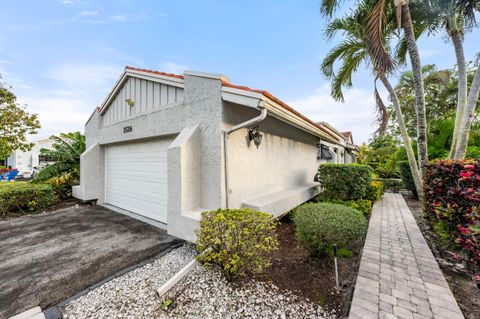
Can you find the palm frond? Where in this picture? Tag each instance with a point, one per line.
(375, 33)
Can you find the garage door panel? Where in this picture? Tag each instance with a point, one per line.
(136, 177)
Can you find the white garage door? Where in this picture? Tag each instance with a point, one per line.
(136, 177)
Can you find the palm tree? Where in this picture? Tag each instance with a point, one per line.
(351, 53)
(66, 154)
(378, 22)
(457, 17)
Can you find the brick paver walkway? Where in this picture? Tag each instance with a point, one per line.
(398, 276)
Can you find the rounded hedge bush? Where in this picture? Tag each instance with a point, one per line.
(237, 240)
(319, 225)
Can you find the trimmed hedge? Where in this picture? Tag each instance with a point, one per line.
(391, 184)
(320, 225)
(407, 177)
(452, 194)
(25, 196)
(344, 181)
(362, 205)
(237, 240)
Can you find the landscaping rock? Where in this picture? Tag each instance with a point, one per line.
(204, 293)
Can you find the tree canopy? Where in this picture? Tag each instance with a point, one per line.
(15, 124)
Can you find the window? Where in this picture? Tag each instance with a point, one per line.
(325, 153)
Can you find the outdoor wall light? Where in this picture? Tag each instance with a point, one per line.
(130, 102)
(255, 136)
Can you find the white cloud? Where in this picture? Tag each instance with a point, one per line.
(356, 114)
(85, 76)
(88, 13)
(171, 67)
(117, 18)
(67, 97)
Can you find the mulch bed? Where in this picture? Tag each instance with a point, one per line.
(294, 269)
(464, 289)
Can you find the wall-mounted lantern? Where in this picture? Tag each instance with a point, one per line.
(255, 136)
(130, 102)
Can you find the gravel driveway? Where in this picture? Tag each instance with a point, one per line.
(49, 257)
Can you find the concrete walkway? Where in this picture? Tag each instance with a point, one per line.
(399, 276)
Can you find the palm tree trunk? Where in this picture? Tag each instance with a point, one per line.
(406, 139)
(462, 89)
(462, 143)
(418, 85)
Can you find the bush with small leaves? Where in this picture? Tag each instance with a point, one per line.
(239, 241)
(25, 197)
(320, 225)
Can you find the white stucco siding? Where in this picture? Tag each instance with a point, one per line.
(286, 158)
(145, 94)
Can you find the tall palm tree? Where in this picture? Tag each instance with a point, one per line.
(378, 22)
(65, 154)
(458, 17)
(351, 53)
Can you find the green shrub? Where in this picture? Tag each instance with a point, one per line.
(407, 177)
(25, 196)
(62, 186)
(374, 191)
(391, 184)
(362, 205)
(319, 225)
(237, 240)
(344, 181)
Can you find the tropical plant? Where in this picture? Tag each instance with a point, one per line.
(65, 153)
(457, 17)
(15, 124)
(355, 50)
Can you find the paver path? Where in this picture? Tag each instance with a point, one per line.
(398, 276)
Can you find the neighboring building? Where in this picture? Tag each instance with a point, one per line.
(165, 147)
(25, 162)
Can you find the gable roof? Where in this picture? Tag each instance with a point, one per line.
(133, 71)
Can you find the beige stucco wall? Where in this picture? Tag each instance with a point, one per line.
(286, 158)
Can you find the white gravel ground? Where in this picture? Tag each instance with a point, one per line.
(202, 294)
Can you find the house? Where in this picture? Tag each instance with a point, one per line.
(165, 147)
(26, 161)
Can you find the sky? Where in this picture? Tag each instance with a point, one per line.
(62, 57)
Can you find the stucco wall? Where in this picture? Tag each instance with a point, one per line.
(286, 158)
(201, 106)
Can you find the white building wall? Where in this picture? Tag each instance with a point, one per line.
(285, 159)
(25, 161)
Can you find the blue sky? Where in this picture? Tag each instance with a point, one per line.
(63, 56)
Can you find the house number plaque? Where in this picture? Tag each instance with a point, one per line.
(127, 129)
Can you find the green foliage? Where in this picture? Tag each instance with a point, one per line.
(62, 186)
(15, 124)
(362, 205)
(407, 177)
(374, 191)
(65, 153)
(344, 181)
(391, 184)
(444, 235)
(320, 225)
(237, 240)
(25, 196)
(166, 304)
(382, 155)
